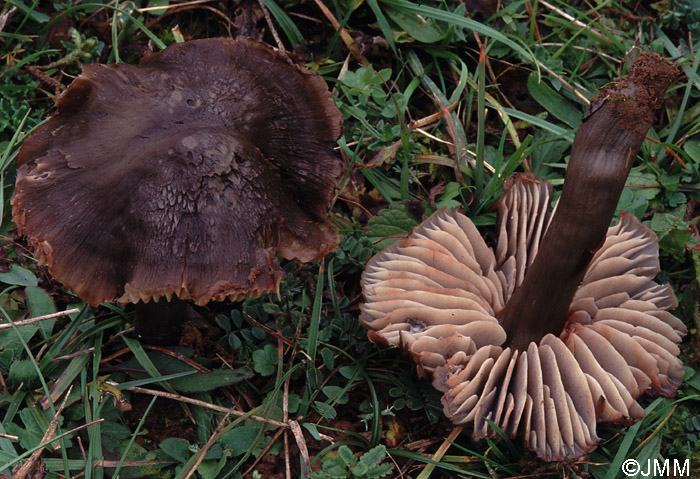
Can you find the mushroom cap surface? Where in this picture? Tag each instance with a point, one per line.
(437, 295)
(182, 176)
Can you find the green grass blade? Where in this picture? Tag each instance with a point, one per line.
(692, 79)
(376, 433)
(86, 6)
(133, 437)
(63, 339)
(115, 36)
(30, 11)
(146, 381)
(331, 287)
(312, 341)
(40, 375)
(480, 126)
(383, 24)
(625, 446)
(459, 21)
(539, 122)
(424, 459)
(145, 361)
(286, 24)
(94, 453)
(553, 102)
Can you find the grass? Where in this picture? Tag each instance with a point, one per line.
(439, 109)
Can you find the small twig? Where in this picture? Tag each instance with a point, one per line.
(212, 439)
(583, 49)
(287, 461)
(41, 352)
(57, 438)
(492, 74)
(3, 384)
(632, 17)
(179, 357)
(285, 418)
(115, 463)
(533, 16)
(82, 352)
(269, 331)
(9, 436)
(344, 34)
(183, 7)
(305, 17)
(428, 469)
(271, 26)
(115, 355)
(413, 124)
(687, 136)
(38, 319)
(301, 442)
(396, 466)
(53, 425)
(82, 448)
(343, 71)
(5, 17)
(48, 80)
(422, 444)
(566, 84)
(658, 428)
(356, 204)
(264, 451)
(578, 23)
(122, 333)
(669, 151)
(197, 402)
(462, 155)
(433, 118)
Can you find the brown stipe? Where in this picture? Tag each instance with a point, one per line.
(604, 149)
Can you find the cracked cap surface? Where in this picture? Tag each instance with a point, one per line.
(182, 176)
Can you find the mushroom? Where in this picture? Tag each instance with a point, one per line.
(183, 176)
(563, 325)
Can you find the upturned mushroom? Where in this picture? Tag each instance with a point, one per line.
(563, 325)
(183, 176)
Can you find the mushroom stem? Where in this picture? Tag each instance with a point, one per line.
(160, 322)
(603, 152)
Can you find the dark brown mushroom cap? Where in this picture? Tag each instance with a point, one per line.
(437, 295)
(184, 175)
